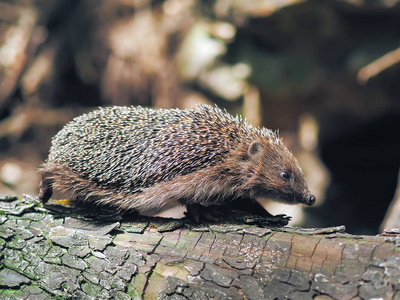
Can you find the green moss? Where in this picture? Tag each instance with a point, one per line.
(2, 243)
(136, 286)
(91, 289)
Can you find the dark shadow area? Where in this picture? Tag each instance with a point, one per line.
(364, 165)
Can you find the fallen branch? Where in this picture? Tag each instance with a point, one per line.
(75, 253)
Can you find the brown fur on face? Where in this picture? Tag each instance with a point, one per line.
(273, 172)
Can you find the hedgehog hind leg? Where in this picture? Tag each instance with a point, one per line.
(66, 183)
(45, 188)
(57, 181)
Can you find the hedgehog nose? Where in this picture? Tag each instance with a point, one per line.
(310, 199)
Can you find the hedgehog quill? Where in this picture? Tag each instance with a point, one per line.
(135, 158)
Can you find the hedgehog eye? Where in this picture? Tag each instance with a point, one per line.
(285, 175)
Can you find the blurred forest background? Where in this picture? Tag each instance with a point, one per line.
(325, 73)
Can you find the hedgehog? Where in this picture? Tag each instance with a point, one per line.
(143, 159)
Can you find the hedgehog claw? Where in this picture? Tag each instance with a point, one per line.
(281, 220)
(277, 220)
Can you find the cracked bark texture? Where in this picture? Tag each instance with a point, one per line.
(70, 254)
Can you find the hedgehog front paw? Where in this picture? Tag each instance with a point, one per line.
(280, 220)
(266, 221)
(277, 220)
(198, 212)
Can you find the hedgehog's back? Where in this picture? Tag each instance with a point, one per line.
(131, 148)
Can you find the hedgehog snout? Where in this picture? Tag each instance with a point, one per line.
(309, 199)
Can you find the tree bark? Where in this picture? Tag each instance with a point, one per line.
(75, 253)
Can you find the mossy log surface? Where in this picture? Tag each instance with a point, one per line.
(49, 254)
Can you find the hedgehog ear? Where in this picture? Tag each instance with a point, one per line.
(255, 149)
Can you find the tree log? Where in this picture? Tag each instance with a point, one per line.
(75, 253)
